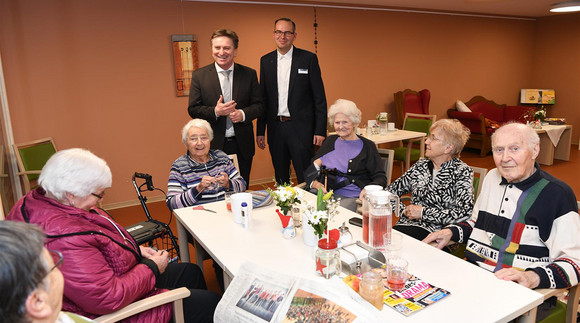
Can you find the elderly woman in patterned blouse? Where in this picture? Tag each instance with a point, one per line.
(441, 185)
(201, 175)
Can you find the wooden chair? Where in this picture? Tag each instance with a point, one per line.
(409, 101)
(413, 122)
(234, 159)
(387, 155)
(175, 296)
(478, 176)
(31, 157)
(569, 310)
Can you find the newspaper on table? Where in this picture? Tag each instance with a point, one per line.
(416, 295)
(260, 295)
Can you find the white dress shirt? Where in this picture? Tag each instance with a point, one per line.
(284, 65)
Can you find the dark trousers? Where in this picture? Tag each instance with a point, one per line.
(201, 304)
(286, 147)
(231, 147)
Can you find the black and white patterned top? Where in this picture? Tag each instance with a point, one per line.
(447, 199)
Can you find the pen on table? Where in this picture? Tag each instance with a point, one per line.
(212, 211)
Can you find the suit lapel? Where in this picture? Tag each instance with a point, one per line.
(215, 81)
(294, 67)
(237, 80)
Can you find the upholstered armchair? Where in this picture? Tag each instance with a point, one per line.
(409, 101)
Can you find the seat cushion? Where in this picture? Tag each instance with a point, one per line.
(401, 154)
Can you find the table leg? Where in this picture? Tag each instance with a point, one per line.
(546, 155)
(227, 280)
(183, 247)
(528, 317)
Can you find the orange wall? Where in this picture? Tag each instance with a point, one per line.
(99, 74)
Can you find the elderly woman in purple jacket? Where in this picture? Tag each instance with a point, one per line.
(347, 161)
(104, 269)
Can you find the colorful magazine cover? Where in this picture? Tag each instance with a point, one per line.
(416, 295)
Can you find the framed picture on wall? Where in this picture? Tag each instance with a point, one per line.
(185, 60)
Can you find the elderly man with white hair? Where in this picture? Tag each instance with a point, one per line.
(525, 223)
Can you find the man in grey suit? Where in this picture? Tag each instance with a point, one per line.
(227, 95)
(294, 104)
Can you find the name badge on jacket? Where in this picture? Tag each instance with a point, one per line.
(302, 71)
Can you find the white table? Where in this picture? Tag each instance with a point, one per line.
(476, 294)
(400, 135)
(549, 151)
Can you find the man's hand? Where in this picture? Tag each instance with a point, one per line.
(318, 140)
(237, 116)
(261, 141)
(224, 109)
(413, 212)
(442, 237)
(527, 278)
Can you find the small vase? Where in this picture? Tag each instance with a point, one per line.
(310, 237)
(288, 229)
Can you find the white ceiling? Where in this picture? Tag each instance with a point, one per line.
(512, 8)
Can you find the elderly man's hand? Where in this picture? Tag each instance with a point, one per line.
(318, 140)
(413, 212)
(441, 237)
(525, 278)
(317, 185)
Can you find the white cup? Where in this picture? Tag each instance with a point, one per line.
(237, 200)
(371, 123)
(391, 126)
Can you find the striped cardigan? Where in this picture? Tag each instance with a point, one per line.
(186, 174)
(530, 225)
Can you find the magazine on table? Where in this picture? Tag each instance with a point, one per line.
(257, 294)
(416, 295)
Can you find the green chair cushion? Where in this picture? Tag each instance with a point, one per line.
(401, 154)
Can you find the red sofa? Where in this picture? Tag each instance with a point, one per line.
(484, 118)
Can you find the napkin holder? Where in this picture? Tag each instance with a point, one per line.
(358, 258)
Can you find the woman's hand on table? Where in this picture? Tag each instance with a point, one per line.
(441, 238)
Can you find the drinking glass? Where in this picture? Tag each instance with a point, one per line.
(393, 244)
(228, 198)
(396, 273)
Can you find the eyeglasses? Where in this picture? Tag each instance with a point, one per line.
(99, 196)
(279, 33)
(202, 138)
(57, 258)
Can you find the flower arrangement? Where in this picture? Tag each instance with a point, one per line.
(326, 209)
(285, 196)
(540, 114)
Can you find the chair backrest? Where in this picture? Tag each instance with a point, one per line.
(387, 156)
(409, 101)
(31, 157)
(419, 122)
(234, 159)
(478, 176)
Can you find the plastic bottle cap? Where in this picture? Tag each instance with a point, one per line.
(380, 196)
(244, 204)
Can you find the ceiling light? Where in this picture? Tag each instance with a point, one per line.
(569, 6)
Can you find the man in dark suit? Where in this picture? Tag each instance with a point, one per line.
(294, 104)
(227, 95)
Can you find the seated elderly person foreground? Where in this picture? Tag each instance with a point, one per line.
(441, 185)
(30, 280)
(525, 223)
(105, 270)
(201, 175)
(345, 161)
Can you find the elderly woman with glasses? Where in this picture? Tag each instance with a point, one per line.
(201, 175)
(105, 270)
(441, 185)
(346, 161)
